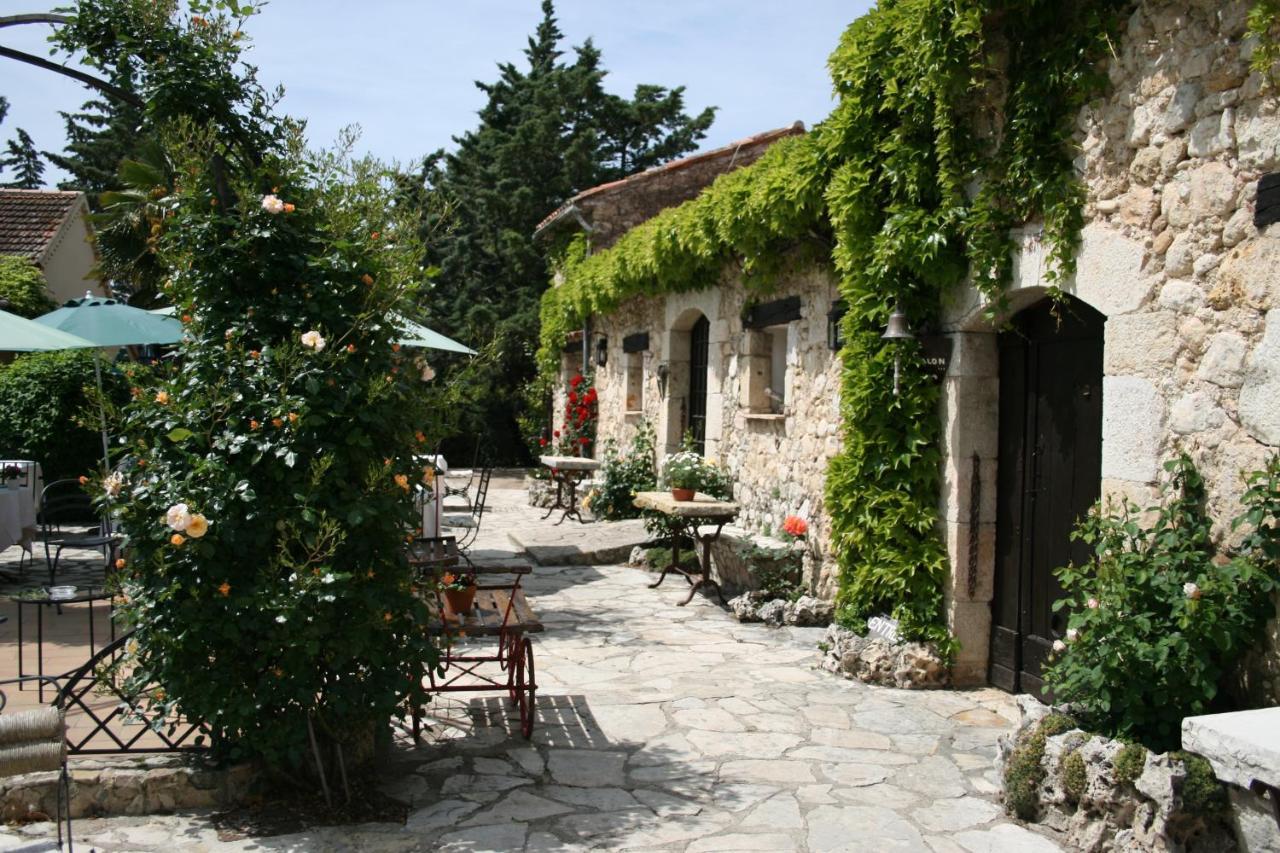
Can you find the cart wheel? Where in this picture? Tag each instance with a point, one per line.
(528, 706)
(515, 672)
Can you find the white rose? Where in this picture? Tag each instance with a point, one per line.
(313, 339)
(178, 517)
(1092, 604)
(113, 484)
(272, 204)
(1190, 590)
(1059, 646)
(1072, 635)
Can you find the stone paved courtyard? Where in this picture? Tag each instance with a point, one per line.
(666, 728)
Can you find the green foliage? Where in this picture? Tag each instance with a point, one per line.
(624, 475)
(1056, 724)
(1202, 792)
(1023, 774)
(293, 607)
(24, 285)
(1158, 617)
(1130, 761)
(24, 161)
(776, 571)
(920, 121)
(1264, 25)
(100, 137)
(50, 414)
(1073, 775)
(547, 131)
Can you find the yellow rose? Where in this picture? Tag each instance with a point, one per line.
(198, 526)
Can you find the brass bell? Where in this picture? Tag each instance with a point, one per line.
(898, 329)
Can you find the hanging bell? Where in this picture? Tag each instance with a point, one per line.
(898, 328)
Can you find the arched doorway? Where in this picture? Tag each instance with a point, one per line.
(699, 352)
(1050, 473)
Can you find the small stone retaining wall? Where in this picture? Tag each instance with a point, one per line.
(152, 784)
(876, 661)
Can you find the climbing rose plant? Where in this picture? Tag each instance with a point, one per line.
(265, 481)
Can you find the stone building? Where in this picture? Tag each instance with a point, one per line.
(1169, 341)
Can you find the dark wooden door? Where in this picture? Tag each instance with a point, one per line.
(699, 347)
(1050, 473)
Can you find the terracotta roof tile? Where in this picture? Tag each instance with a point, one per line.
(764, 139)
(30, 219)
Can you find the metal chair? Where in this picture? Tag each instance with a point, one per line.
(470, 523)
(63, 503)
(463, 491)
(35, 741)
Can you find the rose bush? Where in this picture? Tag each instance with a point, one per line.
(1159, 615)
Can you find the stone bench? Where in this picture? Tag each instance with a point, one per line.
(1243, 748)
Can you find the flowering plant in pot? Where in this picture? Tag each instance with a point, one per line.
(684, 473)
(459, 591)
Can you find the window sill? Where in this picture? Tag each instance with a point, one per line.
(764, 416)
(633, 413)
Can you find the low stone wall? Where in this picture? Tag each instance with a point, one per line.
(876, 661)
(152, 784)
(805, 612)
(542, 492)
(740, 559)
(1106, 795)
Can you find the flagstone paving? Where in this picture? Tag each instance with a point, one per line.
(668, 728)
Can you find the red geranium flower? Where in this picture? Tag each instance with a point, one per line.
(795, 525)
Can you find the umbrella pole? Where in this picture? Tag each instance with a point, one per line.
(102, 411)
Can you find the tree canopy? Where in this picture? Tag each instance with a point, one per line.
(548, 130)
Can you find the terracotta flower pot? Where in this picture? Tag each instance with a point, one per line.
(460, 600)
(683, 494)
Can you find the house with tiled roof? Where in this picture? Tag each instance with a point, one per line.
(52, 229)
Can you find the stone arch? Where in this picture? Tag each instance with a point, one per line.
(683, 312)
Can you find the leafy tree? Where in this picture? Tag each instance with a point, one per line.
(22, 158)
(99, 137)
(23, 287)
(546, 132)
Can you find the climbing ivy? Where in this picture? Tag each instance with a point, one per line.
(953, 125)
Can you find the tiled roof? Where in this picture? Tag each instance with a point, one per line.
(758, 140)
(30, 219)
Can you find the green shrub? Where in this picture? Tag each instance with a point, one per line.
(22, 283)
(1073, 775)
(623, 476)
(1158, 616)
(776, 571)
(49, 412)
(1202, 792)
(1130, 762)
(1023, 775)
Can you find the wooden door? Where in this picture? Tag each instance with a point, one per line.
(1050, 473)
(699, 348)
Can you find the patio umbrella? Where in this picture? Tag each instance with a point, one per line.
(18, 334)
(107, 322)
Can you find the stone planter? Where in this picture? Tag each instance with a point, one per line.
(1106, 795)
(876, 661)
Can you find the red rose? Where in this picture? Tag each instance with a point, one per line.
(573, 396)
(576, 381)
(584, 440)
(542, 442)
(556, 433)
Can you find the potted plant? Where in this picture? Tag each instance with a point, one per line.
(684, 473)
(459, 591)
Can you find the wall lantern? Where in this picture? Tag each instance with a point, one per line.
(835, 336)
(664, 373)
(602, 352)
(897, 330)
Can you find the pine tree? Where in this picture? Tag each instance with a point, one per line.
(546, 132)
(99, 137)
(24, 161)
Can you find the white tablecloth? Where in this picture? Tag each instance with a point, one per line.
(17, 518)
(31, 483)
(428, 500)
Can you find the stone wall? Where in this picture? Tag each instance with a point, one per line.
(778, 461)
(1191, 291)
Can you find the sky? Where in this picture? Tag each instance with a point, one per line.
(404, 70)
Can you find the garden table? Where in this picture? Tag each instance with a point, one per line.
(567, 472)
(41, 599)
(31, 483)
(689, 517)
(17, 519)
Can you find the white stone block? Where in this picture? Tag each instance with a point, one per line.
(1141, 343)
(1242, 745)
(1133, 416)
(1223, 362)
(1181, 296)
(1260, 392)
(1109, 274)
(1196, 412)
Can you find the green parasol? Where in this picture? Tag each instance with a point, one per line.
(18, 334)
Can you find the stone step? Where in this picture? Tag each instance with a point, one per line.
(597, 543)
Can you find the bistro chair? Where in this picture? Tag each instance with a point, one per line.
(469, 523)
(64, 512)
(35, 741)
(463, 491)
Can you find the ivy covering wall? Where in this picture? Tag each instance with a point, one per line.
(953, 125)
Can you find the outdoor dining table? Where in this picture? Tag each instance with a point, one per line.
(567, 472)
(17, 519)
(690, 517)
(31, 483)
